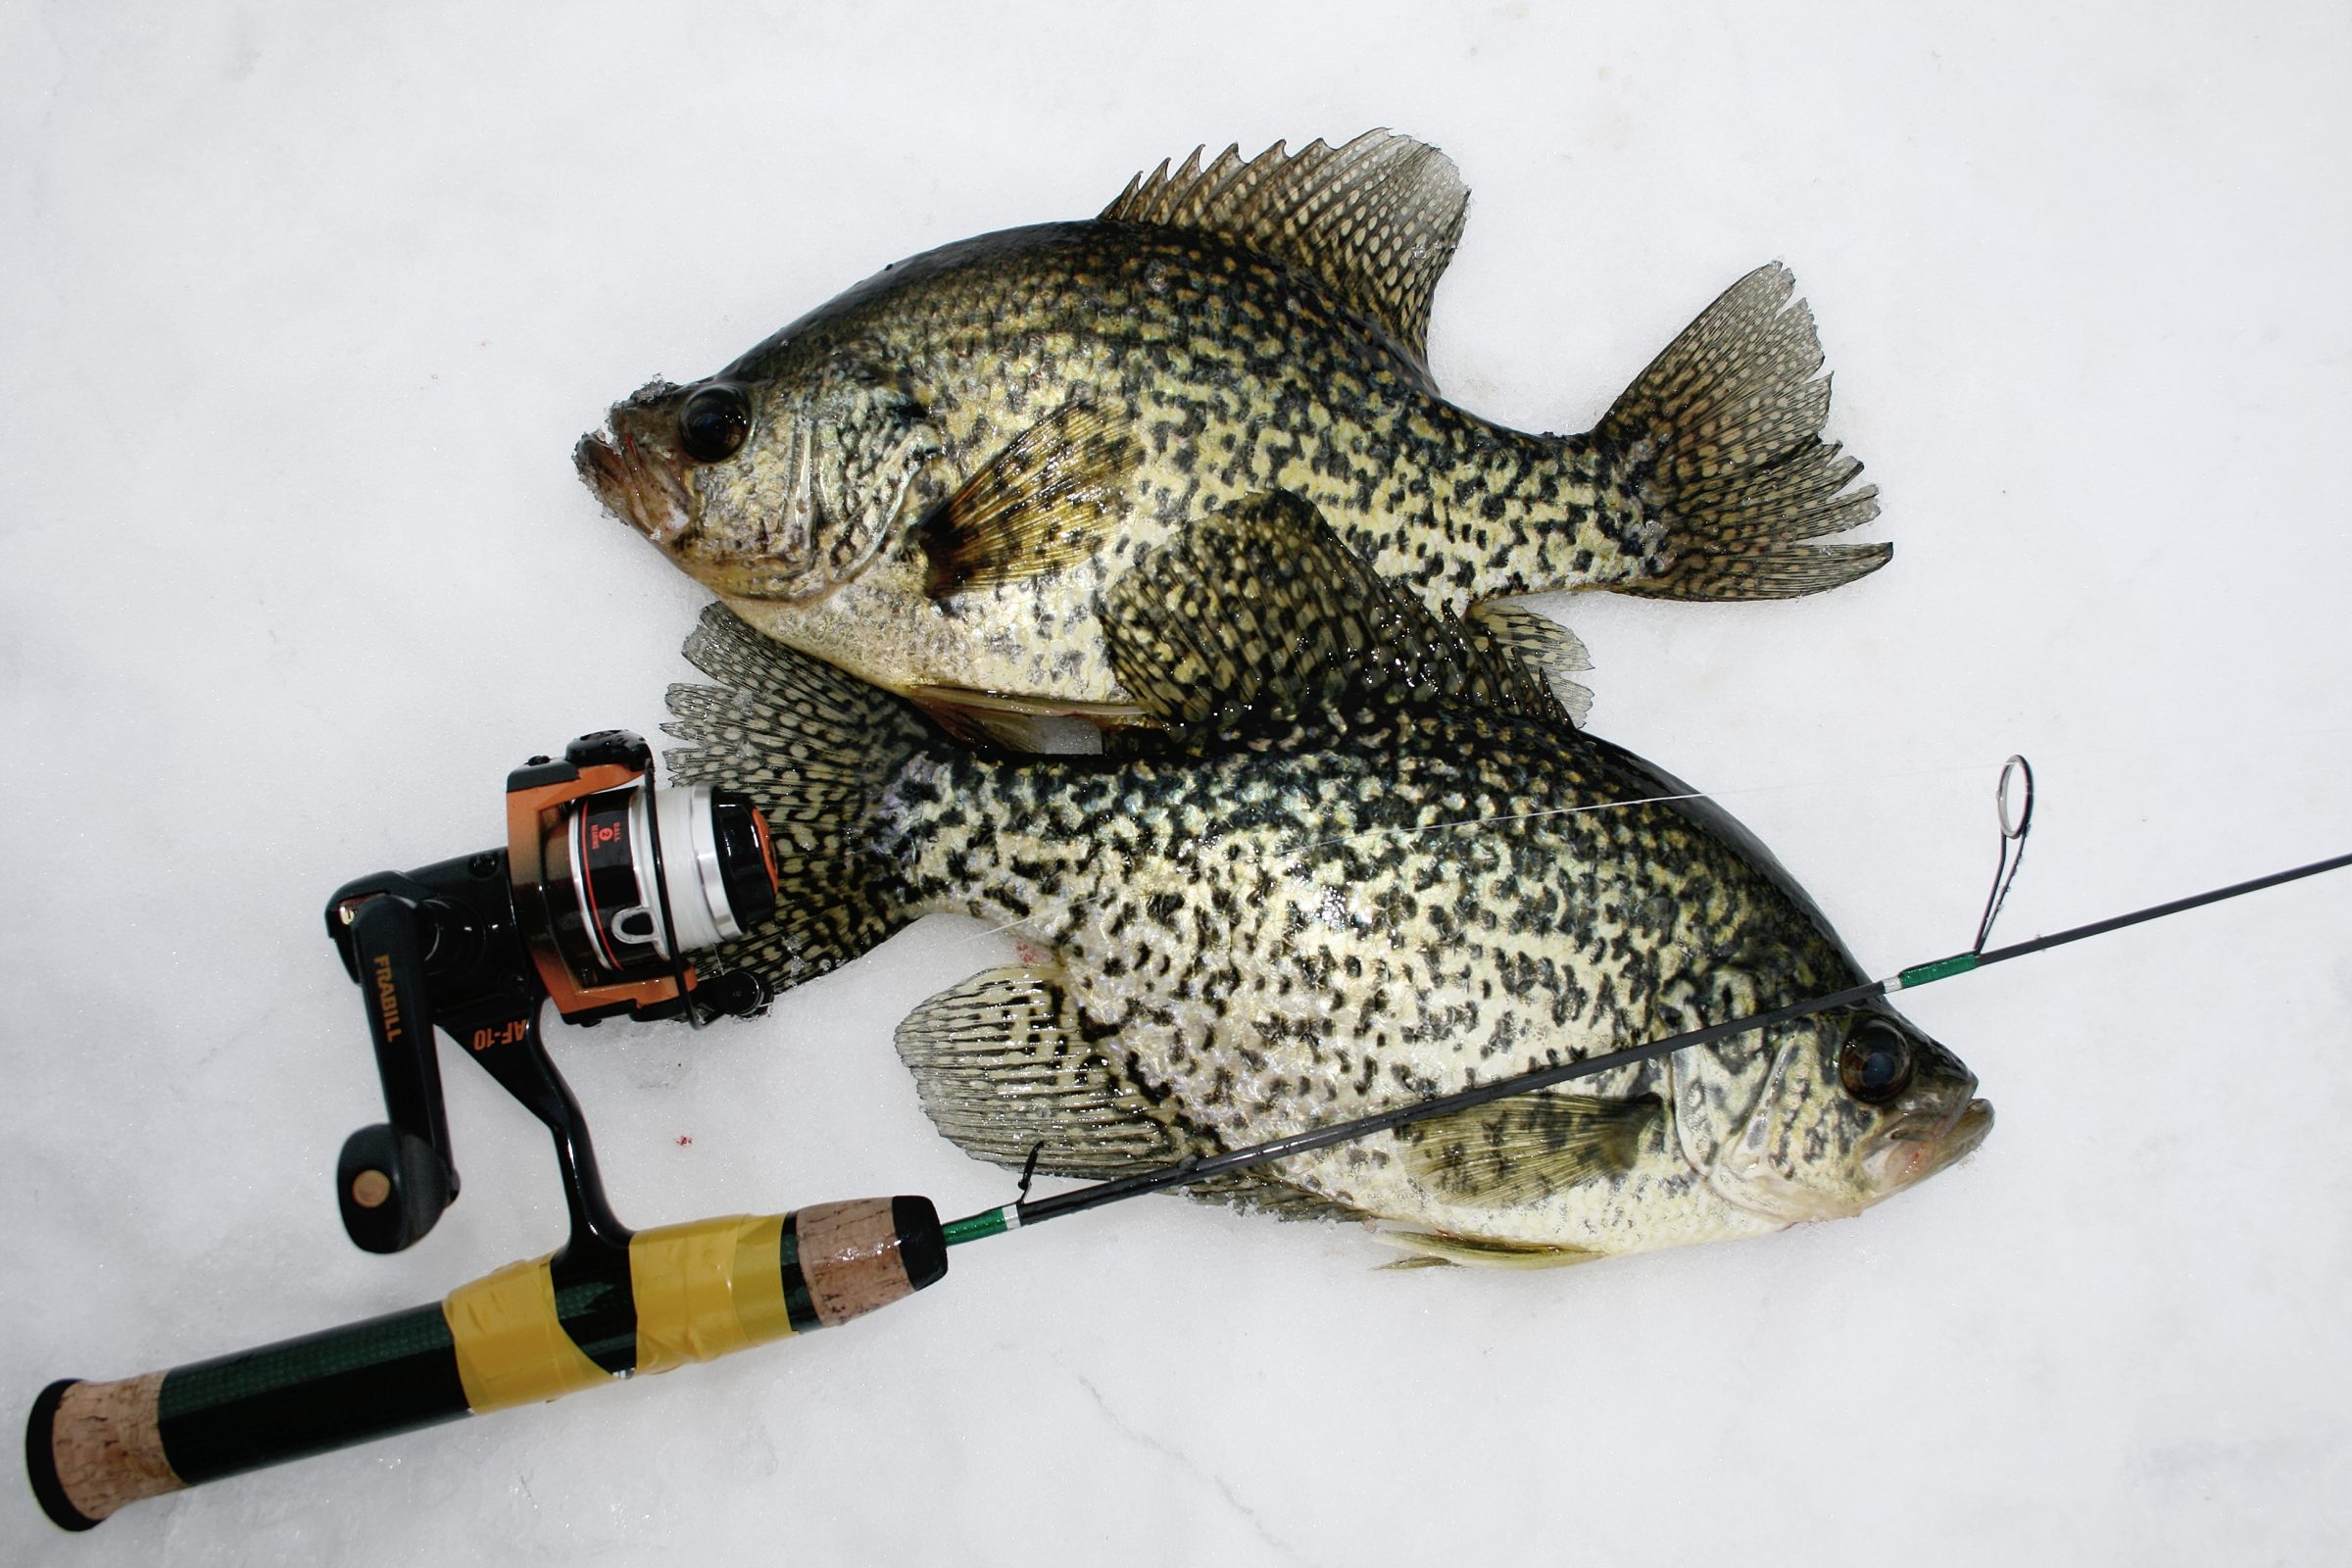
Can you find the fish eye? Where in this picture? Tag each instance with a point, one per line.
(714, 423)
(1875, 1063)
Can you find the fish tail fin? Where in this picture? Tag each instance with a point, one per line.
(1720, 441)
(815, 749)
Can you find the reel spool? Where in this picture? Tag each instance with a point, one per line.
(606, 883)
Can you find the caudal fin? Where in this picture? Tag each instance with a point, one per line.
(815, 750)
(1720, 439)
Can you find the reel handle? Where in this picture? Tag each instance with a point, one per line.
(390, 1186)
(394, 1179)
(530, 1332)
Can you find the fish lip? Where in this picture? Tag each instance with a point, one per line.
(639, 490)
(597, 461)
(1912, 1151)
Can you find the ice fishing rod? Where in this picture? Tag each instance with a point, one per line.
(613, 1303)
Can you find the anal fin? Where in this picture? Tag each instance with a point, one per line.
(1259, 611)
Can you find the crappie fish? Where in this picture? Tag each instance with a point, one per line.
(1370, 860)
(930, 480)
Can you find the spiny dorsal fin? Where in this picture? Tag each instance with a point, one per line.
(1261, 612)
(1045, 501)
(1377, 219)
(1524, 1149)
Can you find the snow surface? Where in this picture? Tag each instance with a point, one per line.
(305, 306)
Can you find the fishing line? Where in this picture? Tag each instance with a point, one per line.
(2016, 820)
(1413, 829)
(1076, 905)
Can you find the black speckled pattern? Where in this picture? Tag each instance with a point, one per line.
(1240, 373)
(1400, 888)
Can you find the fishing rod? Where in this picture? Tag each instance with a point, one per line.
(472, 945)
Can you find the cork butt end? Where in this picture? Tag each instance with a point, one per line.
(41, 1460)
(91, 1447)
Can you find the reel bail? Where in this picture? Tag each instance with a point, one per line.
(606, 882)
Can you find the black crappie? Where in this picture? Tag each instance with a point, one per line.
(1363, 865)
(930, 480)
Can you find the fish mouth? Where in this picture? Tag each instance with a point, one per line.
(635, 486)
(1912, 1152)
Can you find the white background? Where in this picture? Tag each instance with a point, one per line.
(305, 306)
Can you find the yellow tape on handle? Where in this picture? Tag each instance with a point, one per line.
(511, 1349)
(706, 1289)
(701, 1290)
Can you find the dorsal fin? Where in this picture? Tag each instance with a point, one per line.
(1261, 612)
(1376, 220)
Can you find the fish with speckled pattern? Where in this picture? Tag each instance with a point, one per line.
(1365, 860)
(931, 480)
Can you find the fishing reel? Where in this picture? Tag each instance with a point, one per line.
(606, 882)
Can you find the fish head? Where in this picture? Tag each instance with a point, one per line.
(739, 484)
(1857, 1105)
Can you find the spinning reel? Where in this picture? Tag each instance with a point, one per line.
(606, 883)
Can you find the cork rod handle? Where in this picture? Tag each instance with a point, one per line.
(90, 1448)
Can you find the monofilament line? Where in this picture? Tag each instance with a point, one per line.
(1409, 830)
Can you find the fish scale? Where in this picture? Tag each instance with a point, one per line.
(1243, 329)
(1423, 490)
(1370, 862)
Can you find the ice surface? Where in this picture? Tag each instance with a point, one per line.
(304, 308)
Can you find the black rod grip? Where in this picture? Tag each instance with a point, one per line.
(92, 1447)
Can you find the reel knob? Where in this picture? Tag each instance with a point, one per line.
(390, 1186)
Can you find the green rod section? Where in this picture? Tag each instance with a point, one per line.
(993, 1223)
(1920, 974)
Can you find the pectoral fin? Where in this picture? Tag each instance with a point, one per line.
(1044, 502)
(1525, 1148)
